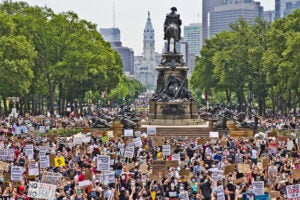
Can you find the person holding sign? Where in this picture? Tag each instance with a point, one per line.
(20, 194)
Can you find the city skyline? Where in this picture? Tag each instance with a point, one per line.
(130, 15)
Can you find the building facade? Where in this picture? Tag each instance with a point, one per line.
(228, 13)
(145, 65)
(113, 36)
(285, 7)
(193, 36)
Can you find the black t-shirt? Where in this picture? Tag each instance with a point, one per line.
(278, 164)
(231, 188)
(205, 190)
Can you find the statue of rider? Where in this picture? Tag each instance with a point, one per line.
(173, 18)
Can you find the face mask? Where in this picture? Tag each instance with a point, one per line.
(172, 185)
(250, 190)
(205, 181)
(132, 184)
(193, 180)
(181, 188)
(123, 177)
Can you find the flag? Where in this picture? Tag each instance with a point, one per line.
(203, 95)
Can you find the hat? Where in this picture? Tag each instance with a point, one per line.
(21, 188)
(81, 177)
(174, 9)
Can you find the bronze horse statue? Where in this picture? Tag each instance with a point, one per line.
(172, 32)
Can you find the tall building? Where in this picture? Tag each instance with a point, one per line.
(285, 7)
(145, 65)
(269, 16)
(113, 36)
(230, 12)
(207, 7)
(192, 35)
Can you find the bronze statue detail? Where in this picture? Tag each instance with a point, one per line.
(172, 28)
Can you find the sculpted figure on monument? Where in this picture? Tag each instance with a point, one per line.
(172, 28)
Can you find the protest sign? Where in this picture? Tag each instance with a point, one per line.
(244, 168)
(213, 134)
(184, 172)
(296, 173)
(59, 162)
(3, 166)
(138, 142)
(220, 193)
(290, 145)
(183, 195)
(129, 151)
(137, 133)
(88, 174)
(128, 132)
(262, 197)
(292, 191)
(130, 166)
(33, 169)
(41, 190)
(105, 138)
(44, 162)
(265, 163)
(28, 150)
(84, 183)
(176, 157)
(7, 154)
(51, 157)
(51, 178)
(172, 163)
(201, 141)
(143, 168)
(158, 166)
(166, 150)
(282, 138)
(272, 134)
(258, 187)
(238, 181)
(228, 169)
(216, 174)
(274, 194)
(43, 150)
(103, 163)
(151, 130)
(17, 173)
(77, 140)
(109, 177)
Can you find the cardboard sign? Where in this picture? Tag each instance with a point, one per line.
(17, 173)
(103, 163)
(201, 141)
(3, 166)
(51, 157)
(158, 166)
(282, 138)
(272, 134)
(129, 151)
(274, 194)
(59, 162)
(51, 178)
(41, 190)
(258, 187)
(238, 181)
(244, 168)
(151, 130)
(184, 172)
(44, 162)
(88, 174)
(166, 150)
(265, 163)
(296, 173)
(143, 168)
(130, 166)
(128, 132)
(172, 163)
(228, 169)
(290, 145)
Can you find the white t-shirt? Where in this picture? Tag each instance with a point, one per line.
(254, 154)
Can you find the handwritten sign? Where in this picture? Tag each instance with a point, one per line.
(16, 173)
(128, 132)
(41, 190)
(7, 154)
(265, 163)
(158, 165)
(258, 187)
(151, 130)
(103, 163)
(244, 168)
(228, 169)
(33, 169)
(129, 151)
(292, 191)
(138, 142)
(84, 183)
(51, 178)
(44, 162)
(166, 150)
(172, 163)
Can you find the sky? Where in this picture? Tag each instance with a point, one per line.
(131, 15)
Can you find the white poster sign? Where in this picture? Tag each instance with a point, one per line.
(293, 191)
(128, 132)
(33, 169)
(214, 134)
(41, 190)
(44, 162)
(220, 193)
(151, 130)
(84, 183)
(28, 150)
(129, 151)
(258, 187)
(103, 163)
(17, 173)
(43, 150)
(166, 150)
(138, 142)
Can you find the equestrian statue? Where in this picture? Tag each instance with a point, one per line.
(172, 28)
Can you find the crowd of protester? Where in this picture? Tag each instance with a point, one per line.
(201, 167)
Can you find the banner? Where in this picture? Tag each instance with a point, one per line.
(103, 163)
(17, 173)
(166, 150)
(44, 162)
(128, 132)
(258, 187)
(41, 190)
(129, 151)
